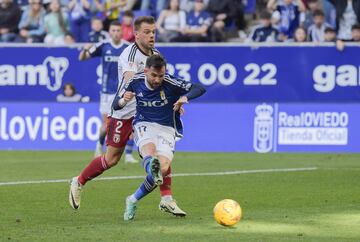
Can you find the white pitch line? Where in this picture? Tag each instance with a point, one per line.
(174, 175)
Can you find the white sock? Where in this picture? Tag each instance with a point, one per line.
(132, 198)
(167, 198)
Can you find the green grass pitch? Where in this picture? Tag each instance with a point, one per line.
(315, 205)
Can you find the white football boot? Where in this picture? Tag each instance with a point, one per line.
(75, 193)
(130, 209)
(171, 207)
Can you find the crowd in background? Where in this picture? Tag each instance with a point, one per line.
(70, 21)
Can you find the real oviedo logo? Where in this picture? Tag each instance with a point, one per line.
(263, 128)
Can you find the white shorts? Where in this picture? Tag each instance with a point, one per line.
(162, 136)
(105, 102)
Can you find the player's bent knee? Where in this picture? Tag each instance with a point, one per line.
(147, 147)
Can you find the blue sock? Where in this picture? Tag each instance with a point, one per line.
(145, 188)
(146, 164)
(129, 146)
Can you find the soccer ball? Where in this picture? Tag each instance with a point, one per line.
(227, 212)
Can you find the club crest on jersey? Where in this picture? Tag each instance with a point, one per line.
(116, 138)
(162, 95)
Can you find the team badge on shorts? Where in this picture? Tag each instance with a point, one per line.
(116, 138)
(162, 95)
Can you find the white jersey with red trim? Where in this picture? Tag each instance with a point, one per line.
(132, 59)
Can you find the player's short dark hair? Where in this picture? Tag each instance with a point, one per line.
(115, 23)
(318, 12)
(329, 29)
(355, 27)
(155, 61)
(128, 13)
(265, 15)
(143, 19)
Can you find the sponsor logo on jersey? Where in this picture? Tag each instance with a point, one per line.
(141, 65)
(111, 58)
(156, 103)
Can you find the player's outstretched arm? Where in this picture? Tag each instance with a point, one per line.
(195, 91)
(84, 53)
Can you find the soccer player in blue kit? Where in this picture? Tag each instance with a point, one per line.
(159, 96)
(109, 51)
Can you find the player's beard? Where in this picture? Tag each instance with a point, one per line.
(154, 86)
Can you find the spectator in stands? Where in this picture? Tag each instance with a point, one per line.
(112, 10)
(225, 13)
(188, 5)
(97, 34)
(56, 24)
(264, 32)
(355, 37)
(330, 35)
(316, 31)
(313, 5)
(347, 15)
(300, 35)
(355, 33)
(69, 94)
(198, 22)
(31, 26)
(127, 26)
(330, 13)
(171, 22)
(9, 19)
(289, 16)
(80, 16)
(22, 4)
(147, 5)
(130, 4)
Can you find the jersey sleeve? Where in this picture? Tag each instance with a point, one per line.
(125, 64)
(180, 86)
(129, 86)
(96, 49)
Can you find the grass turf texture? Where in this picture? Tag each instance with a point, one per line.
(319, 205)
